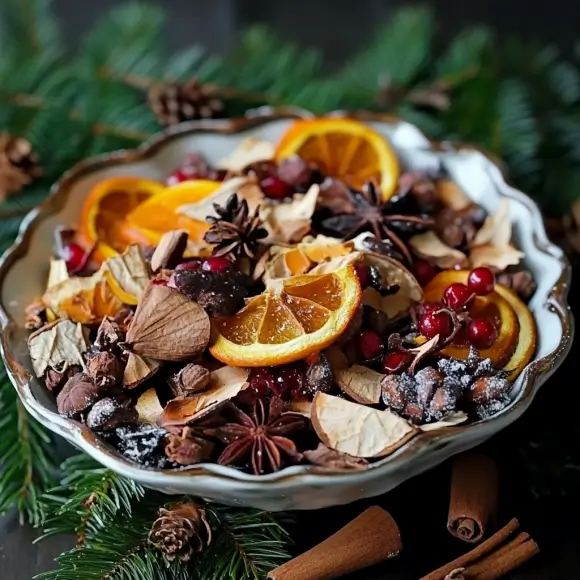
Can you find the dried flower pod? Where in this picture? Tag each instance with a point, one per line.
(190, 379)
(180, 530)
(319, 376)
(105, 368)
(54, 381)
(169, 251)
(522, 283)
(186, 449)
(109, 335)
(108, 414)
(78, 395)
(168, 326)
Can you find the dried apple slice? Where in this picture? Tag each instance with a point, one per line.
(360, 383)
(358, 430)
(127, 275)
(148, 407)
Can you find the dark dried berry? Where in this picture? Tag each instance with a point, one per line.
(79, 394)
(108, 414)
(142, 443)
(296, 172)
(319, 377)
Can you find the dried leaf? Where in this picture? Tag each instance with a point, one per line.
(129, 271)
(245, 188)
(499, 257)
(430, 247)
(358, 430)
(451, 195)
(249, 151)
(58, 346)
(168, 326)
(225, 383)
(289, 222)
(148, 407)
(138, 370)
(360, 383)
(169, 252)
(325, 457)
(57, 273)
(448, 421)
(497, 228)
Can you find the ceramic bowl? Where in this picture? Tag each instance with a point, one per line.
(23, 274)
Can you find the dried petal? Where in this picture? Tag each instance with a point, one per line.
(109, 335)
(325, 457)
(360, 383)
(495, 256)
(129, 272)
(358, 430)
(169, 252)
(54, 381)
(225, 383)
(186, 449)
(57, 273)
(148, 407)
(189, 380)
(497, 228)
(451, 195)
(35, 315)
(58, 346)
(78, 395)
(168, 326)
(429, 246)
(250, 150)
(138, 370)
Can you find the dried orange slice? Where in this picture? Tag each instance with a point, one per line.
(159, 213)
(494, 306)
(290, 320)
(343, 148)
(105, 209)
(527, 337)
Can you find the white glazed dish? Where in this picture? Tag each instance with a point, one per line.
(23, 275)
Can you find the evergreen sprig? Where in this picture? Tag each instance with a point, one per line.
(112, 515)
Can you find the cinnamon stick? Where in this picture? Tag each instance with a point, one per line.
(368, 539)
(483, 549)
(492, 559)
(473, 501)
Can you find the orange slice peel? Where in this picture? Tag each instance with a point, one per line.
(343, 148)
(292, 319)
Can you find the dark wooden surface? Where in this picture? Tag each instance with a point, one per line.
(338, 27)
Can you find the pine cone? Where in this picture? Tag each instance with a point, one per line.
(235, 231)
(18, 164)
(180, 530)
(173, 103)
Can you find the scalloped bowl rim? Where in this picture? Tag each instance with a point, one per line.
(535, 374)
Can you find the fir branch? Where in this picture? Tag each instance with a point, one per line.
(88, 498)
(26, 457)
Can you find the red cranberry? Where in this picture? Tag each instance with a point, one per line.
(424, 271)
(457, 296)
(481, 281)
(216, 264)
(181, 174)
(289, 380)
(262, 381)
(364, 276)
(481, 333)
(189, 265)
(395, 361)
(74, 256)
(274, 188)
(370, 344)
(432, 324)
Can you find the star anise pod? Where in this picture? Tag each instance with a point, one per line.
(234, 231)
(368, 212)
(260, 439)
